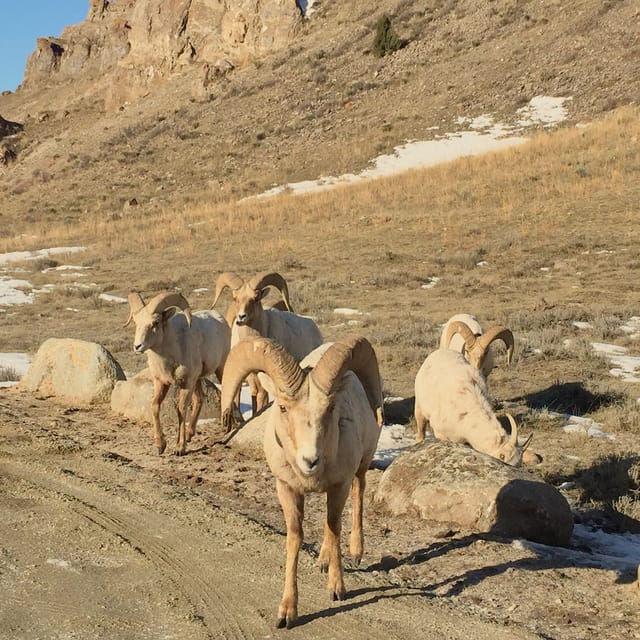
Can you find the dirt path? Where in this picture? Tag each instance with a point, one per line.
(101, 538)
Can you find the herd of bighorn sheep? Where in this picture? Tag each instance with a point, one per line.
(323, 425)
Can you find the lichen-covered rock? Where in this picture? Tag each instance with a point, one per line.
(452, 484)
(73, 371)
(132, 399)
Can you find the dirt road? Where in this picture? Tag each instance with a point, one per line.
(101, 538)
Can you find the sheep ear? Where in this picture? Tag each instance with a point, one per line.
(267, 383)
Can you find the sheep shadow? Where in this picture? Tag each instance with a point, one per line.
(612, 481)
(399, 410)
(571, 398)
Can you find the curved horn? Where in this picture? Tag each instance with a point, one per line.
(463, 329)
(251, 355)
(527, 442)
(135, 304)
(271, 279)
(168, 299)
(227, 279)
(497, 332)
(356, 354)
(514, 430)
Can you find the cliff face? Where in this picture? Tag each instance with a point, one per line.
(131, 44)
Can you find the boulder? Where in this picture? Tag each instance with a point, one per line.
(132, 399)
(73, 371)
(250, 437)
(447, 483)
(8, 128)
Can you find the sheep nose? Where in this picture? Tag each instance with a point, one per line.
(312, 465)
(137, 348)
(242, 318)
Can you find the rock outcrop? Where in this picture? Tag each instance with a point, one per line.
(446, 483)
(73, 371)
(8, 128)
(132, 45)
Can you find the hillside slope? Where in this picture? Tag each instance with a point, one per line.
(320, 102)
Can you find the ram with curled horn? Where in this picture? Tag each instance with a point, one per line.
(320, 436)
(249, 316)
(181, 349)
(451, 396)
(464, 333)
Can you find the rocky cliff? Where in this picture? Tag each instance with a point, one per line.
(130, 45)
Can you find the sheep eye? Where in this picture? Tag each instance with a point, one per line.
(501, 456)
(282, 409)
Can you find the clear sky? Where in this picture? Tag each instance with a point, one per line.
(22, 21)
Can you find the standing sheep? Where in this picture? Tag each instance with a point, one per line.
(181, 349)
(248, 317)
(322, 431)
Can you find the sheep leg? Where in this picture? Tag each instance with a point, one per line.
(159, 393)
(196, 406)
(292, 504)
(330, 557)
(356, 538)
(183, 400)
(421, 424)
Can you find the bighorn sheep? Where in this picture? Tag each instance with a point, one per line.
(181, 349)
(322, 431)
(451, 394)
(247, 317)
(463, 333)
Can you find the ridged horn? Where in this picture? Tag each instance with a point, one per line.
(168, 299)
(227, 279)
(355, 354)
(252, 355)
(135, 304)
(463, 329)
(514, 430)
(271, 279)
(497, 332)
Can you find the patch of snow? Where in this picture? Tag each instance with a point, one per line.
(592, 548)
(431, 282)
(12, 291)
(625, 367)
(65, 267)
(57, 562)
(109, 298)
(581, 325)
(632, 326)
(345, 311)
(586, 426)
(484, 135)
(19, 362)
(19, 256)
(201, 290)
(392, 441)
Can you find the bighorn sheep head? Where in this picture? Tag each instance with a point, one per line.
(509, 451)
(476, 347)
(304, 399)
(151, 318)
(248, 296)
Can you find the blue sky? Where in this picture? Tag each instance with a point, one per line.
(25, 20)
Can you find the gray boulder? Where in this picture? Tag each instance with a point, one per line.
(73, 371)
(132, 399)
(446, 483)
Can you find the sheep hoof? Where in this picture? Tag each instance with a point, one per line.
(179, 452)
(337, 595)
(161, 447)
(285, 621)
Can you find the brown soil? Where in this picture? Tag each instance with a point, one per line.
(101, 537)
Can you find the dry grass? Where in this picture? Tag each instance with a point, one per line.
(554, 220)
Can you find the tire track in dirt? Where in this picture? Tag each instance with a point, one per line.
(169, 554)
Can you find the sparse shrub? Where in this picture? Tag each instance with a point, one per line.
(8, 374)
(386, 39)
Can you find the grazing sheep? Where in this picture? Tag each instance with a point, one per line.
(181, 349)
(322, 431)
(463, 333)
(451, 394)
(248, 317)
